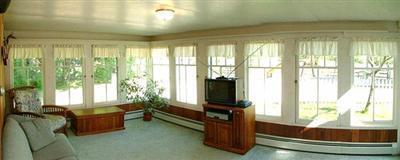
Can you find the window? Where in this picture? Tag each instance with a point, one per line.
(105, 73)
(186, 83)
(136, 61)
(317, 80)
(161, 69)
(69, 74)
(27, 66)
(373, 81)
(265, 77)
(221, 61)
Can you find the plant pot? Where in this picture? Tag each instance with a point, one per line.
(147, 116)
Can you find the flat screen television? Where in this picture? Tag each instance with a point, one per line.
(221, 91)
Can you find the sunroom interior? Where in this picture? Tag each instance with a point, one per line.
(322, 76)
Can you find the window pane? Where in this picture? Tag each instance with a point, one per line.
(105, 79)
(373, 87)
(265, 88)
(308, 95)
(222, 67)
(327, 94)
(161, 74)
(330, 61)
(256, 95)
(69, 81)
(135, 66)
(186, 80)
(28, 72)
(318, 85)
(360, 61)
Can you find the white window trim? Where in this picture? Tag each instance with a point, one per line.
(48, 68)
(260, 117)
(305, 121)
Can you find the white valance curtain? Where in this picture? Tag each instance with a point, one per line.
(137, 52)
(68, 51)
(223, 50)
(160, 52)
(185, 51)
(374, 47)
(106, 51)
(317, 47)
(264, 49)
(26, 51)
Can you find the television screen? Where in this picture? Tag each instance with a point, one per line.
(221, 91)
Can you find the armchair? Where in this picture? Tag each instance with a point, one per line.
(26, 102)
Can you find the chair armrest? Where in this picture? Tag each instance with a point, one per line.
(54, 109)
(29, 114)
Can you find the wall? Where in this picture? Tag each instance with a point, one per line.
(2, 84)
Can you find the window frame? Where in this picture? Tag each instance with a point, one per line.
(177, 99)
(103, 103)
(265, 116)
(379, 123)
(298, 120)
(211, 71)
(169, 73)
(42, 69)
(83, 64)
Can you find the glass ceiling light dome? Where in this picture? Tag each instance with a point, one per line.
(165, 14)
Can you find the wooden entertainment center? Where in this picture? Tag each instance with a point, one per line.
(237, 134)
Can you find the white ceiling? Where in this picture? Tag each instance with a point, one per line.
(137, 16)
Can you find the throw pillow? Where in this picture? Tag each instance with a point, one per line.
(28, 101)
(38, 133)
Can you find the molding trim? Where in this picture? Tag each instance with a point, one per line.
(297, 144)
(293, 27)
(26, 34)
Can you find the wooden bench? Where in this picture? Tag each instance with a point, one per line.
(97, 120)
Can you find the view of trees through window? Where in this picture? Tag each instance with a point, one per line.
(373, 83)
(135, 66)
(69, 81)
(28, 72)
(105, 79)
(318, 83)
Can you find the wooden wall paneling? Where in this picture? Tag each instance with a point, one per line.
(320, 134)
(130, 107)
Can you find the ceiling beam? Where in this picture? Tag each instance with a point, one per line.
(378, 26)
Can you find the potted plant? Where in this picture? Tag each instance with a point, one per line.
(147, 91)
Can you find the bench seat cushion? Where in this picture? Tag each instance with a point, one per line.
(56, 121)
(59, 149)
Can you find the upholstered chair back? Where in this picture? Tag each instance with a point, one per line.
(27, 100)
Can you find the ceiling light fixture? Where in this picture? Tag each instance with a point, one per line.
(165, 14)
